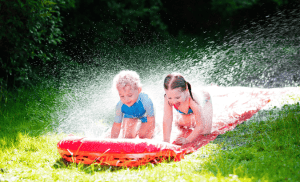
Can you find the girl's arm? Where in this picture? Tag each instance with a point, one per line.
(167, 120)
(199, 129)
(115, 131)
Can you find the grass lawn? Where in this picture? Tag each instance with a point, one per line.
(268, 150)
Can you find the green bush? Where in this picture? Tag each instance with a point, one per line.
(230, 7)
(30, 31)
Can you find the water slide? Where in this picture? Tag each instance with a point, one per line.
(232, 106)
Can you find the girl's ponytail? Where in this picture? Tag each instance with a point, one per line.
(190, 89)
(174, 80)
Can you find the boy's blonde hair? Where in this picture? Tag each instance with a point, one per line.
(127, 77)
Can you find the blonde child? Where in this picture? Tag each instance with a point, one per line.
(195, 110)
(132, 107)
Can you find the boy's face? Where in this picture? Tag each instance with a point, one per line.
(176, 96)
(128, 95)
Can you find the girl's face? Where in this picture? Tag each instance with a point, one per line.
(128, 95)
(176, 96)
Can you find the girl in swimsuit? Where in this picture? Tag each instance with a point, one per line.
(134, 106)
(195, 110)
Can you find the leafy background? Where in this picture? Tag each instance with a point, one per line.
(39, 37)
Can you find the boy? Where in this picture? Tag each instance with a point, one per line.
(132, 107)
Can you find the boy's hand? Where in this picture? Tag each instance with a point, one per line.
(181, 141)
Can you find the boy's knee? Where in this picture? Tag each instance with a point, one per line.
(130, 135)
(147, 135)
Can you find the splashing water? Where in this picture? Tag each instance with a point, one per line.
(261, 55)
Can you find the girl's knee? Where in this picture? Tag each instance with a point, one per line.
(207, 97)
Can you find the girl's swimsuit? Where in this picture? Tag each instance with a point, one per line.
(190, 111)
(141, 109)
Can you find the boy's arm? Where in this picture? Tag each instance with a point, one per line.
(115, 131)
(167, 120)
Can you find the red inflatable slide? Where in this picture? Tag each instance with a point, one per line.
(231, 107)
(117, 152)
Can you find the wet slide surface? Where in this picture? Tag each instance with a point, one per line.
(231, 106)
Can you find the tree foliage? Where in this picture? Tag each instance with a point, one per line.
(30, 30)
(95, 22)
(230, 7)
(203, 17)
(33, 33)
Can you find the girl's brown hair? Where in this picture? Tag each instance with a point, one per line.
(177, 81)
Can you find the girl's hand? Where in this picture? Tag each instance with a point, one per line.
(181, 141)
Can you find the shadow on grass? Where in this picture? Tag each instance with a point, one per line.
(265, 150)
(92, 168)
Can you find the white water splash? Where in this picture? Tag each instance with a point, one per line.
(89, 103)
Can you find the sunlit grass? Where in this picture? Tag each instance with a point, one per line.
(265, 150)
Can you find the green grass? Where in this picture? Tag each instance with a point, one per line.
(255, 151)
(267, 150)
